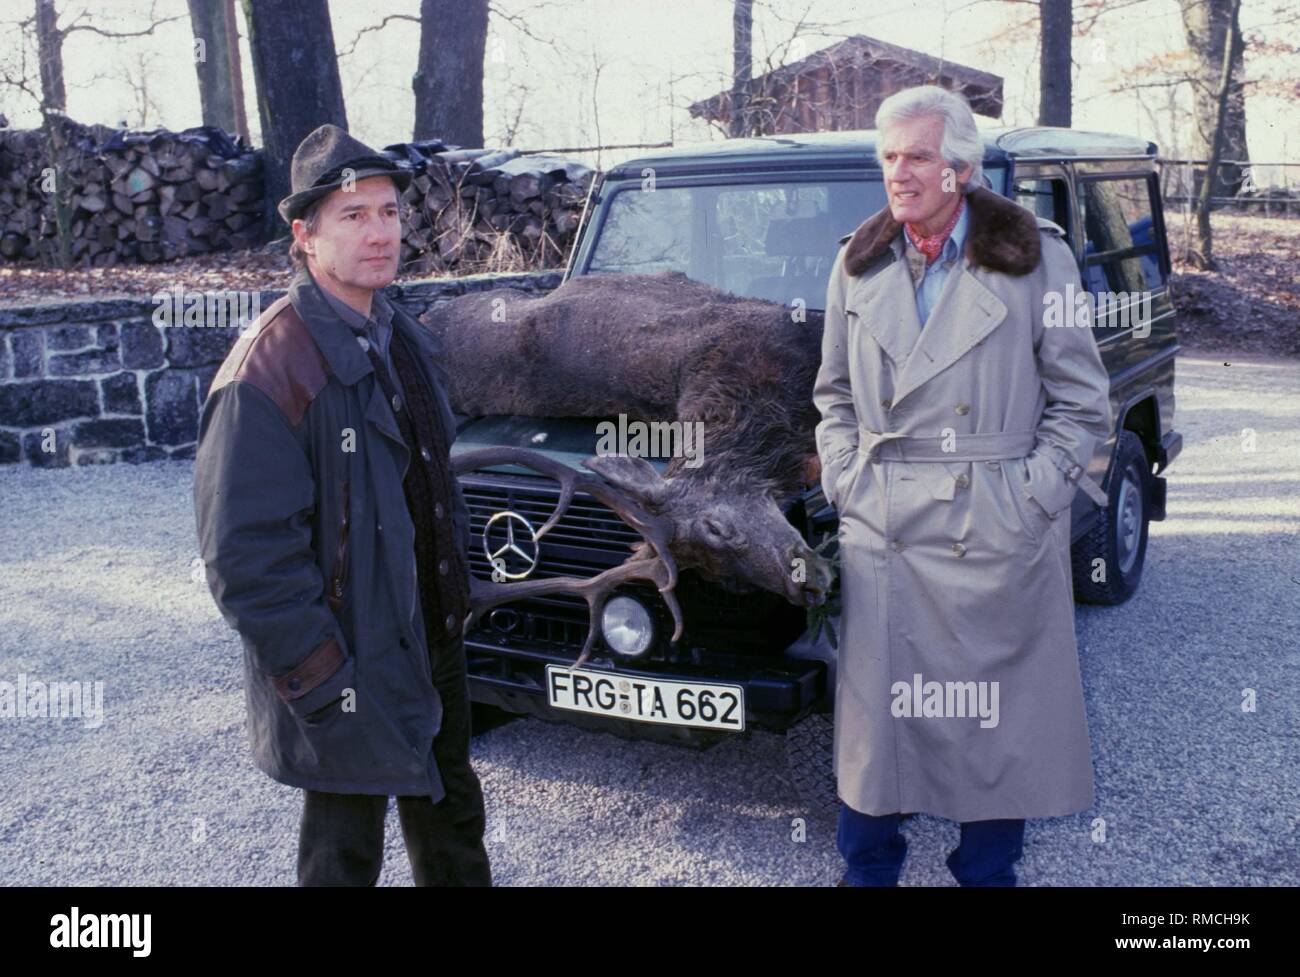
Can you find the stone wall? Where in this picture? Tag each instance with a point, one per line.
(98, 382)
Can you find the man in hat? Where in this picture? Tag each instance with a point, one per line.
(334, 537)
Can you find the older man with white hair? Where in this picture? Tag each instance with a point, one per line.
(956, 428)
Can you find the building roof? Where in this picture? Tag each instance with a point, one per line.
(901, 65)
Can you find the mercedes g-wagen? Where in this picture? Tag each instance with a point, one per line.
(763, 218)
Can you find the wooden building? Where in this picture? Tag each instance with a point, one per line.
(841, 86)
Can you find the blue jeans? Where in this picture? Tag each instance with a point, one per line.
(874, 849)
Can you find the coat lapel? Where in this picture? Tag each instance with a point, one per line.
(890, 317)
(1003, 238)
(346, 360)
(380, 416)
(966, 312)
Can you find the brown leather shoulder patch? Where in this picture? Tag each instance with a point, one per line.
(278, 356)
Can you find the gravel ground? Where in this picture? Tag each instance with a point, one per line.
(96, 586)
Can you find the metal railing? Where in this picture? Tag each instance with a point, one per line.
(1280, 186)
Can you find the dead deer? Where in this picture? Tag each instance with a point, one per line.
(655, 348)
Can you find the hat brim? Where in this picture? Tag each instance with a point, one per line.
(292, 206)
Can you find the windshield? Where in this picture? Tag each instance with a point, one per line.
(773, 241)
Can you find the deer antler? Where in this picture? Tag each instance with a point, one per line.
(654, 563)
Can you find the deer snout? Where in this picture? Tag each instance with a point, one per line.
(809, 588)
(812, 595)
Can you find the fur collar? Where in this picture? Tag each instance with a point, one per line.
(1003, 236)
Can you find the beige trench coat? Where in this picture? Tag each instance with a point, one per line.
(950, 453)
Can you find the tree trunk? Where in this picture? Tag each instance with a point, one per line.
(742, 67)
(1221, 120)
(212, 62)
(298, 88)
(49, 40)
(448, 81)
(1206, 22)
(236, 70)
(1056, 25)
(54, 129)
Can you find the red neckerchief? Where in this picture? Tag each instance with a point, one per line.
(931, 246)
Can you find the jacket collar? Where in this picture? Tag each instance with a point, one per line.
(337, 341)
(1002, 236)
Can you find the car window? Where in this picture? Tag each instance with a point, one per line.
(774, 241)
(1121, 250)
(645, 232)
(1048, 197)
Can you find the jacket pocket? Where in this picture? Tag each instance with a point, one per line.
(332, 691)
(1045, 468)
(1034, 522)
(339, 576)
(848, 478)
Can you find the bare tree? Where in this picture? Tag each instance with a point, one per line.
(597, 66)
(742, 70)
(298, 87)
(46, 87)
(50, 37)
(50, 45)
(1055, 95)
(448, 82)
(512, 110)
(236, 71)
(1222, 122)
(216, 59)
(1205, 23)
(137, 73)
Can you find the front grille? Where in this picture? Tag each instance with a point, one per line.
(591, 537)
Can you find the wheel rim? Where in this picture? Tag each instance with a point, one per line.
(1128, 522)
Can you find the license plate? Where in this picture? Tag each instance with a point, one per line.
(646, 700)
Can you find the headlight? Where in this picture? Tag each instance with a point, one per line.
(627, 626)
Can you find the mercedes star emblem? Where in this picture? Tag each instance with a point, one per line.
(499, 558)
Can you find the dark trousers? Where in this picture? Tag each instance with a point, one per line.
(341, 839)
(873, 849)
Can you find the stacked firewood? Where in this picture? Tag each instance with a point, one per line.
(480, 209)
(126, 196)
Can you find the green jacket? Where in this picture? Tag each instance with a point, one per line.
(309, 551)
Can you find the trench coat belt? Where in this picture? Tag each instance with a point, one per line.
(892, 446)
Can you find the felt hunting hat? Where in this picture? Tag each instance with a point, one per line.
(322, 161)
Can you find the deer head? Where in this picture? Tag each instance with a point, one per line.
(727, 534)
(729, 529)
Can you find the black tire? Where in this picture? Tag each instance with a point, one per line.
(810, 760)
(1119, 538)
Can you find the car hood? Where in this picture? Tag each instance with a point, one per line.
(567, 439)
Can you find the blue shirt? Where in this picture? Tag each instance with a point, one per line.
(936, 274)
